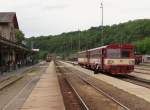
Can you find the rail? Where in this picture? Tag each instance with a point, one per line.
(104, 93)
(101, 91)
(82, 102)
(78, 96)
(9, 81)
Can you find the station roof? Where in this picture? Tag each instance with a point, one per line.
(9, 17)
(5, 42)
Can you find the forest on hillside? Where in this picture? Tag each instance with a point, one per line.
(136, 32)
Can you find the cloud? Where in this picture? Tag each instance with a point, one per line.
(54, 7)
(56, 16)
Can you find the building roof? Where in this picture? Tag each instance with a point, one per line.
(8, 17)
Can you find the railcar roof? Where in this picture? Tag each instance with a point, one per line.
(98, 48)
(83, 51)
(93, 49)
(107, 46)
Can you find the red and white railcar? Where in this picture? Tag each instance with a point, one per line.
(83, 58)
(114, 59)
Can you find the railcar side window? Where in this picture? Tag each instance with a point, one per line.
(113, 53)
(82, 55)
(95, 54)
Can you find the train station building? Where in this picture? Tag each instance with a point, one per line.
(12, 54)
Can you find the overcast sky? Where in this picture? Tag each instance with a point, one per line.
(45, 17)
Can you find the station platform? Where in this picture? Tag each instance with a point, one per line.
(46, 95)
(139, 91)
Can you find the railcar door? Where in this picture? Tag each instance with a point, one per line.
(88, 57)
(102, 58)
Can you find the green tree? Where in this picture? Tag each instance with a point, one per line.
(68, 43)
(19, 36)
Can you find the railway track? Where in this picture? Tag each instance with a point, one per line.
(142, 71)
(147, 68)
(15, 88)
(5, 78)
(144, 64)
(9, 81)
(134, 102)
(85, 107)
(142, 68)
(136, 71)
(73, 100)
(134, 80)
(137, 81)
(104, 93)
(91, 85)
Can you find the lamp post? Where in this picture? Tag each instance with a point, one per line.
(102, 23)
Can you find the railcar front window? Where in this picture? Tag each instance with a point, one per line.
(125, 53)
(113, 53)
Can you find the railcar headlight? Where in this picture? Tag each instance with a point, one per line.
(110, 61)
(131, 62)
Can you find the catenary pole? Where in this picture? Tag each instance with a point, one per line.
(102, 23)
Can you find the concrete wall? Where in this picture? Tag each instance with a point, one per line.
(7, 31)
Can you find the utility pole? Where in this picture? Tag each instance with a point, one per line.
(79, 41)
(64, 48)
(71, 45)
(32, 45)
(102, 23)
